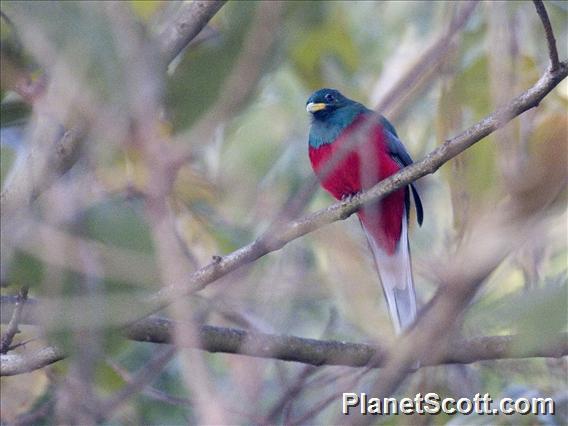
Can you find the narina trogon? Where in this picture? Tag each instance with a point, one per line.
(351, 149)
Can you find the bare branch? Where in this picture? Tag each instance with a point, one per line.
(190, 19)
(331, 352)
(13, 364)
(278, 238)
(550, 39)
(290, 348)
(12, 330)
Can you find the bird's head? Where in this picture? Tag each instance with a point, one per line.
(325, 102)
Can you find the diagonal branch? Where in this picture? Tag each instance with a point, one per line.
(190, 19)
(13, 364)
(550, 39)
(275, 239)
(12, 330)
(427, 59)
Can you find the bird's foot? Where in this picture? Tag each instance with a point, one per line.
(347, 198)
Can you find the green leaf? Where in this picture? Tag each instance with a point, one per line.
(14, 113)
(25, 270)
(108, 380)
(537, 314)
(119, 223)
(145, 9)
(197, 80)
(7, 158)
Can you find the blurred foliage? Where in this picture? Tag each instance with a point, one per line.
(329, 39)
(115, 222)
(206, 67)
(146, 9)
(237, 182)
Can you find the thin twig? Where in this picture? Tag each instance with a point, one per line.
(24, 343)
(150, 391)
(296, 388)
(146, 375)
(550, 39)
(318, 407)
(429, 58)
(12, 330)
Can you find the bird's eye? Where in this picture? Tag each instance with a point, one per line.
(329, 97)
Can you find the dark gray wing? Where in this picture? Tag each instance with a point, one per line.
(401, 156)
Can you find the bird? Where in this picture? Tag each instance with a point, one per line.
(351, 148)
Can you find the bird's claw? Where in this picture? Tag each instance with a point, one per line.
(347, 198)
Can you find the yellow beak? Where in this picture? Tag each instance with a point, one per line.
(313, 107)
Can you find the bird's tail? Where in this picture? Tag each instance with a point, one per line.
(395, 272)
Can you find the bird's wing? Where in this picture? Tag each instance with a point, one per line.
(399, 153)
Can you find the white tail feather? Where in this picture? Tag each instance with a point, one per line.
(395, 272)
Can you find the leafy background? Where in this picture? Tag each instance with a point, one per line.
(244, 170)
